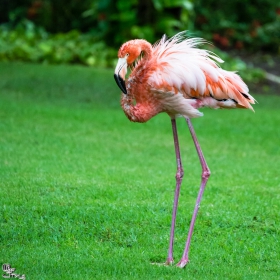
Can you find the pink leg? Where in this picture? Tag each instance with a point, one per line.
(179, 177)
(204, 177)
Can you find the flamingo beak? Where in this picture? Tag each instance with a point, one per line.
(120, 72)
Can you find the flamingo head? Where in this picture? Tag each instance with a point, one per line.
(127, 54)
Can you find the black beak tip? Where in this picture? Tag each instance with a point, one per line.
(121, 83)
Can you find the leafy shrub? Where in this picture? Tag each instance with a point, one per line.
(112, 21)
(239, 24)
(28, 43)
(121, 20)
(254, 24)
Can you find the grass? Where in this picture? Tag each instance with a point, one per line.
(85, 194)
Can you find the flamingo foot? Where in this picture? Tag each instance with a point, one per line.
(169, 261)
(183, 262)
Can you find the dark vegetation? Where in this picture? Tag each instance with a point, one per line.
(254, 24)
(90, 32)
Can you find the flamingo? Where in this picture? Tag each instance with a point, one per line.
(176, 77)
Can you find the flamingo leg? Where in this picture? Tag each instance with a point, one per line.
(179, 177)
(204, 178)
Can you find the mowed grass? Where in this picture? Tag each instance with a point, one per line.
(85, 194)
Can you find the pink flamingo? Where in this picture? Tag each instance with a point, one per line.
(175, 77)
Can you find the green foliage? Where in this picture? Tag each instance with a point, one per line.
(109, 20)
(29, 43)
(122, 20)
(86, 194)
(253, 25)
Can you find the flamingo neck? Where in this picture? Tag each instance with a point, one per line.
(139, 112)
(146, 48)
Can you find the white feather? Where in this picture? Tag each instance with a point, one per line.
(184, 65)
(176, 104)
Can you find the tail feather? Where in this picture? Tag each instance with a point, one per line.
(231, 86)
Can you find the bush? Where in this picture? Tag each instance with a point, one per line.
(252, 25)
(112, 21)
(237, 24)
(29, 43)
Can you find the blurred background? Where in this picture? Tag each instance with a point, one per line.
(89, 32)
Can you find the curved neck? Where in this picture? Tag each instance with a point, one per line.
(146, 48)
(136, 111)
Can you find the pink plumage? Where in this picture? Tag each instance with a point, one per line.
(176, 77)
(173, 73)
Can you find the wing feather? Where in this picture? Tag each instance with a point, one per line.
(178, 63)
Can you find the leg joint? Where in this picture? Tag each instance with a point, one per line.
(206, 173)
(180, 173)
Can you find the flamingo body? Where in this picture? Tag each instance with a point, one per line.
(176, 77)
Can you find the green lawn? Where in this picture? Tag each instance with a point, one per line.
(85, 194)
